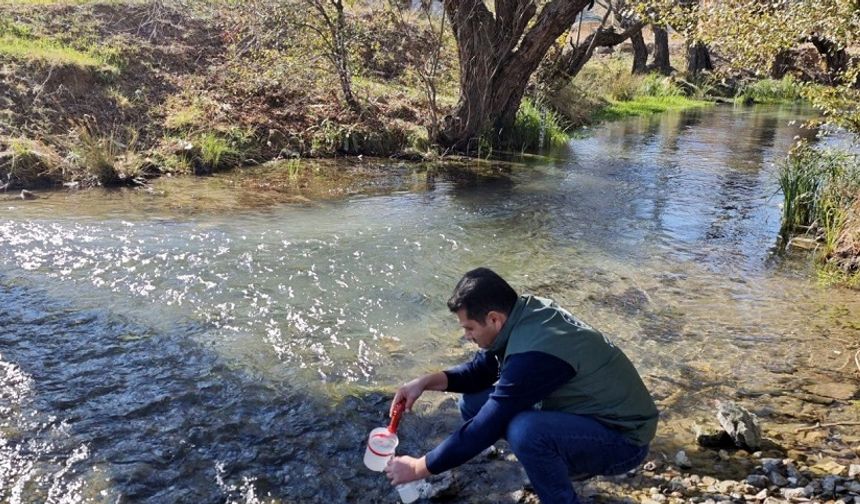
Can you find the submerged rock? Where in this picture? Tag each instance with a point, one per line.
(682, 460)
(740, 424)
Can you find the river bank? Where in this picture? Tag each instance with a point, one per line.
(116, 93)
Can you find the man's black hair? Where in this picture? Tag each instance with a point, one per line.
(481, 291)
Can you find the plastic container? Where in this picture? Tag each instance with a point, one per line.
(383, 441)
(409, 492)
(380, 448)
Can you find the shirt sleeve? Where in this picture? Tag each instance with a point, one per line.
(478, 374)
(526, 379)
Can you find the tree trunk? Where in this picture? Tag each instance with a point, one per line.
(835, 57)
(781, 65)
(698, 58)
(573, 57)
(497, 56)
(640, 53)
(661, 50)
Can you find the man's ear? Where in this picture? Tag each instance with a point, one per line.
(496, 319)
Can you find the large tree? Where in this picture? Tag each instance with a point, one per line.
(499, 50)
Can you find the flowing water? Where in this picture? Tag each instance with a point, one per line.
(210, 341)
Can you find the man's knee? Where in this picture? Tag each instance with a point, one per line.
(521, 433)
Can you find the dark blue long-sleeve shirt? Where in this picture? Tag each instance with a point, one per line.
(527, 378)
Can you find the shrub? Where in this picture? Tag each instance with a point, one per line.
(786, 90)
(658, 86)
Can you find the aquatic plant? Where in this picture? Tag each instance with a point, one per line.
(819, 186)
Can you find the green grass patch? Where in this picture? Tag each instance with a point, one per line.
(644, 105)
(17, 41)
(216, 151)
(537, 127)
(770, 91)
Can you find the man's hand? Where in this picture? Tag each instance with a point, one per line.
(412, 390)
(405, 469)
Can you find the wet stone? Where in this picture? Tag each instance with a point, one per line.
(777, 479)
(771, 464)
(828, 485)
(853, 470)
(757, 480)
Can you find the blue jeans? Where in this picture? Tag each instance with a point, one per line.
(552, 446)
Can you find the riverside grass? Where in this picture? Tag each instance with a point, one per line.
(18, 41)
(819, 187)
(770, 91)
(605, 90)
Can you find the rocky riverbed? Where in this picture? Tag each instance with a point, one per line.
(786, 468)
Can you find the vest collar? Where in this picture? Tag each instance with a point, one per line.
(501, 342)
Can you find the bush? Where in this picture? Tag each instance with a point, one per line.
(658, 86)
(786, 90)
(105, 160)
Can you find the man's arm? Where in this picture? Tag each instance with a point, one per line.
(412, 390)
(526, 380)
(473, 376)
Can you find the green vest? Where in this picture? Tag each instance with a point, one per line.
(606, 386)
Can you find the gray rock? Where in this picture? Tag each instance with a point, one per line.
(677, 484)
(853, 470)
(791, 471)
(439, 488)
(771, 464)
(828, 485)
(761, 495)
(777, 479)
(757, 480)
(794, 493)
(682, 460)
(740, 424)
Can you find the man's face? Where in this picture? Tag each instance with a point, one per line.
(482, 334)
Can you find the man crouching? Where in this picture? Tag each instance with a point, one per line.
(566, 399)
